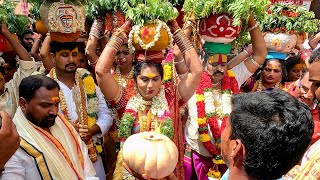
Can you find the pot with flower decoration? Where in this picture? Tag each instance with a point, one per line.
(65, 22)
(150, 153)
(16, 24)
(152, 36)
(219, 28)
(286, 24)
(280, 42)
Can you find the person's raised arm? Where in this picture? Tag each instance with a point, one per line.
(93, 42)
(313, 43)
(35, 48)
(46, 54)
(179, 60)
(108, 85)
(19, 49)
(190, 81)
(258, 45)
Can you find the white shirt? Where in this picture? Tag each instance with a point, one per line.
(104, 120)
(191, 128)
(21, 166)
(10, 98)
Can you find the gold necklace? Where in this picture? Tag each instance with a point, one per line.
(123, 80)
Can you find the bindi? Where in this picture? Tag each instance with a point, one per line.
(55, 99)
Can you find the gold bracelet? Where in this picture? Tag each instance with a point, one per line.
(94, 63)
(178, 62)
(254, 62)
(115, 42)
(182, 42)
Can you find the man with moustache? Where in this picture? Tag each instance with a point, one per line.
(210, 106)
(27, 40)
(50, 148)
(81, 101)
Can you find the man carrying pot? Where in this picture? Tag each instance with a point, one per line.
(9, 91)
(210, 106)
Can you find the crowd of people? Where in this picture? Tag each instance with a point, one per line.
(255, 116)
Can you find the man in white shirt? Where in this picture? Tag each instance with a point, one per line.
(82, 102)
(9, 91)
(50, 147)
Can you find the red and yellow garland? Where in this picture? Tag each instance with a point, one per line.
(229, 85)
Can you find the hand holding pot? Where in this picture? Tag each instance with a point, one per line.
(126, 27)
(173, 25)
(4, 29)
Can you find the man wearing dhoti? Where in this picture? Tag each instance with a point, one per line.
(50, 147)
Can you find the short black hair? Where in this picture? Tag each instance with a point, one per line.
(314, 56)
(138, 66)
(31, 84)
(292, 61)
(26, 32)
(275, 129)
(58, 46)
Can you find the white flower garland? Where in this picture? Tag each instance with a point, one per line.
(224, 103)
(158, 108)
(136, 32)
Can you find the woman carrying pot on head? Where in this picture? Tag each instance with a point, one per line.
(156, 104)
(272, 74)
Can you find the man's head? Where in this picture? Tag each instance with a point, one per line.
(303, 90)
(10, 67)
(314, 73)
(216, 66)
(267, 134)
(65, 56)
(26, 39)
(39, 100)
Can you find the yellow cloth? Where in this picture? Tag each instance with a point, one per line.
(57, 163)
(310, 170)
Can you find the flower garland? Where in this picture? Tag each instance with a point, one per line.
(167, 67)
(89, 88)
(209, 110)
(136, 32)
(158, 113)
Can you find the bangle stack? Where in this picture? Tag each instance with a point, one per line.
(116, 40)
(248, 50)
(182, 42)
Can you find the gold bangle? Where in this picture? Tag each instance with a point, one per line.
(182, 42)
(94, 63)
(178, 62)
(115, 42)
(254, 62)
